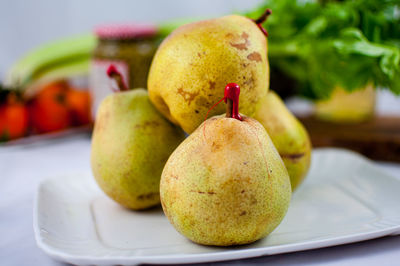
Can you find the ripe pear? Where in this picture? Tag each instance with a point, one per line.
(226, 183)
(288, 135)
(198, 59)
(130, 144)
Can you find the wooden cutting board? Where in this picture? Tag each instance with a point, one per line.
(378, 139)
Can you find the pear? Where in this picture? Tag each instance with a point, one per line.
(130, 144)
(226, 183)
(288, 135)
(196, 60)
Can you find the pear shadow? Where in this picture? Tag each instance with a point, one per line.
(151, 210)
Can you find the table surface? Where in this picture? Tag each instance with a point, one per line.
(22, 167)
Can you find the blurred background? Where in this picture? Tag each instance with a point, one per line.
(29, 24)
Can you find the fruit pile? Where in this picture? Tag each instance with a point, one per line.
(55, 107)
(230, 181)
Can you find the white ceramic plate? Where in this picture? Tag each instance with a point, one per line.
(344, 199)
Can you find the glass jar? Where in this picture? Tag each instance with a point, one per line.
(130, 48)
(347, 107)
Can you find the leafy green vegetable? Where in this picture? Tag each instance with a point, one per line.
(326, 44)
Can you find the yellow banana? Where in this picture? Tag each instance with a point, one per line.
(60, 59)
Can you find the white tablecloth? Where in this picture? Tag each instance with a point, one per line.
(22, 167)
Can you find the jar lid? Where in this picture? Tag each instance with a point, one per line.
(125, 31)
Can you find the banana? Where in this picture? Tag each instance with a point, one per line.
(60, 59)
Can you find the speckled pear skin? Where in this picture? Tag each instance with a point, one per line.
(288, 135)
(130, 144)
(194, 63)
(225, 184)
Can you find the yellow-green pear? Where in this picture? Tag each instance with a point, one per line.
(130, 144)
(195, 62)
(288, 135)
(226, 183)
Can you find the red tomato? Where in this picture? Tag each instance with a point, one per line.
(49, 110)
(78, 102)
(13, 120)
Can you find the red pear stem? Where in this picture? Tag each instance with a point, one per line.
(113, 73)
(264, 16)
(262, 19)
(231, 97)
(232, 92)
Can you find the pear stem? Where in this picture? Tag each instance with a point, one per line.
(114, 74)
(262, 19)
(264, 16)
(232, 92)
(229, 106)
